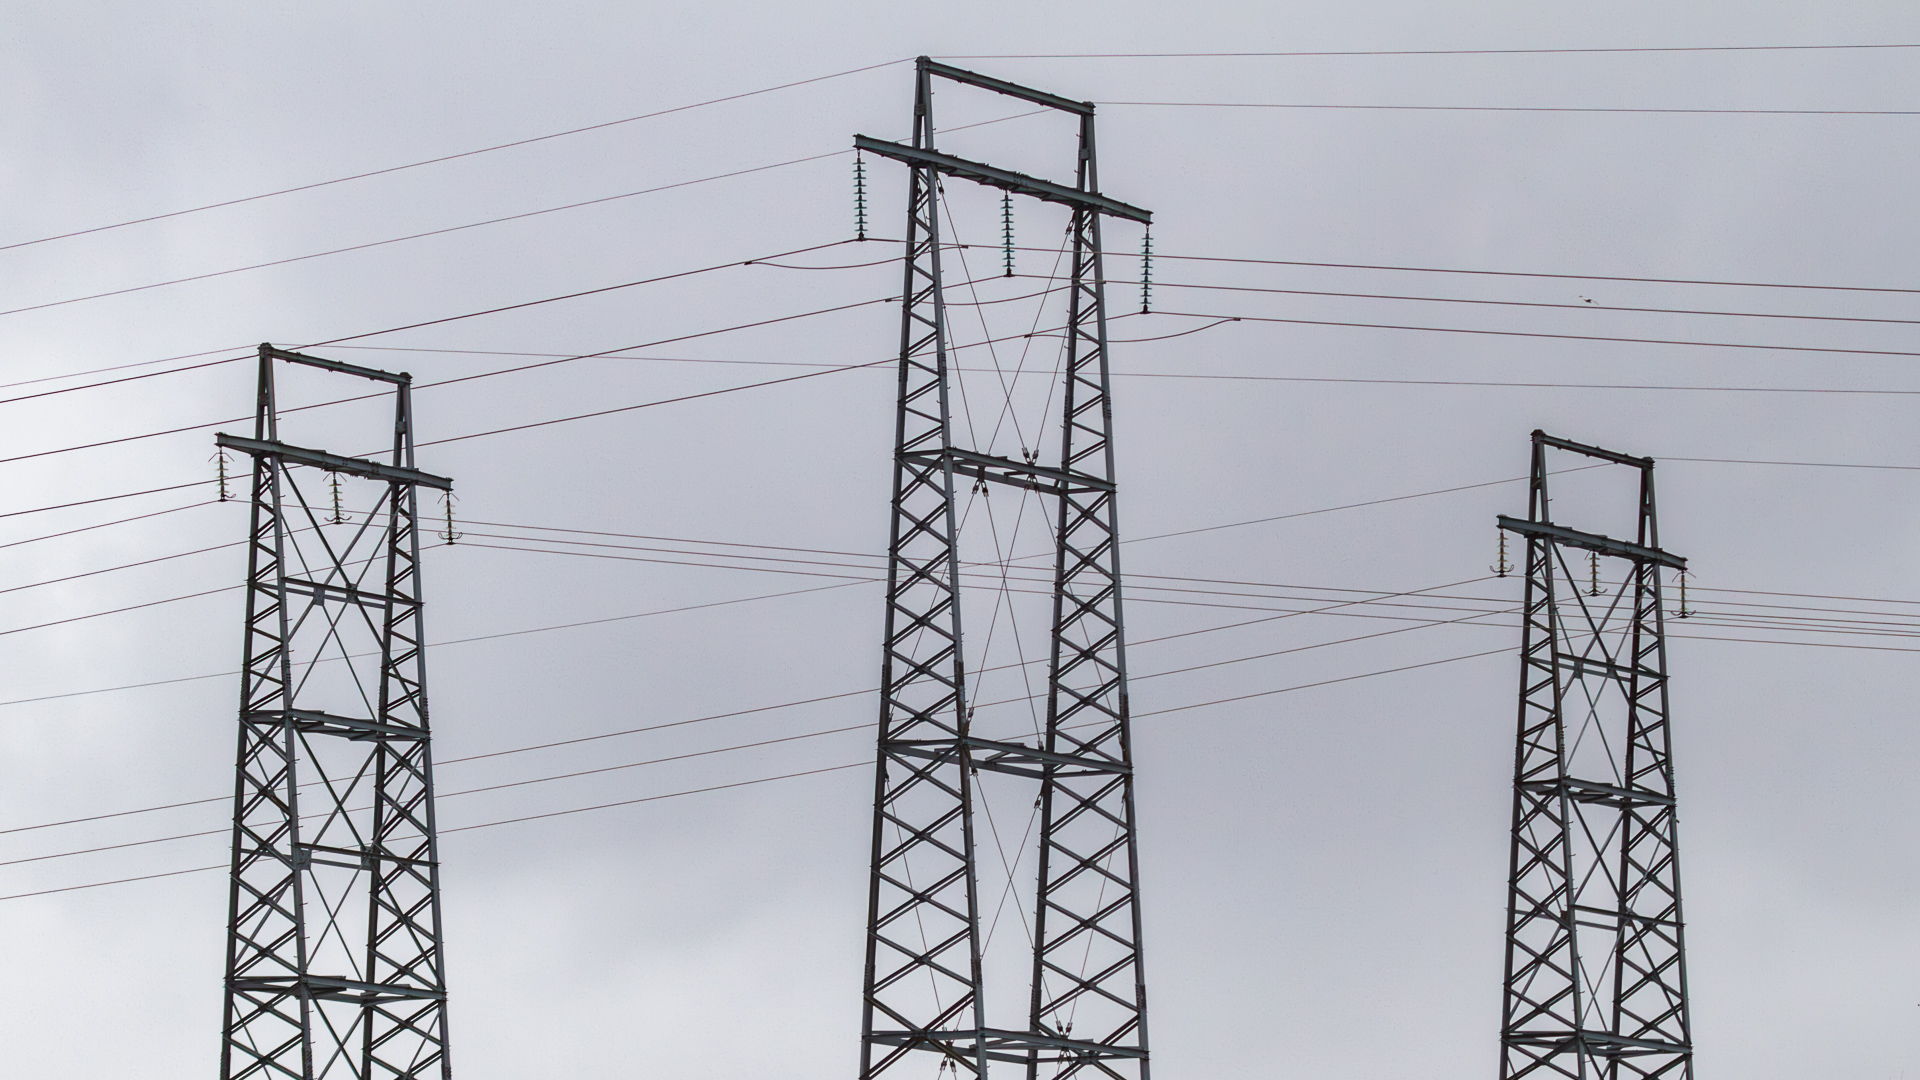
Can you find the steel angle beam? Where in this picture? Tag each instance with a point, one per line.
(1005, 179)
(1002, 86)
(320, 459)
(1605, 545)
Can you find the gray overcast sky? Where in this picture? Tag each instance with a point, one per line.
(1324, 869)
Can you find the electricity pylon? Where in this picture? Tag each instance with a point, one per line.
(334, 966)
(924, 986)
(1596, 982)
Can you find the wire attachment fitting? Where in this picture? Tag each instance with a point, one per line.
(220, 470)
(1146, 271)
(449, 534)
(1006, 230)
(1501, 567)
(859, 197)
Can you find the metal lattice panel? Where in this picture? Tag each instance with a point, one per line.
(334, 965)
(1595, 973)
(924, 984)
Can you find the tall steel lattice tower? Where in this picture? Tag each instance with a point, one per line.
(334, 966)
(924, 983)
(1596, 982)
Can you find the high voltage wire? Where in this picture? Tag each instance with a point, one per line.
(1516, 108)
(1421, 52)
(450, 157)
(1538, 334)
(857, 764)
(657, 279)
(1203, 376)
(815, 700)
(1161, 284)
(1525, 274)
(1371, 599)
(523, 215)
(1219, 320)
(411, 236)
(770, 261)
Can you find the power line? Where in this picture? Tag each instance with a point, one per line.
(1420, 52)
(1516, 385)
(1202, 376)
(446, 157)
(577, 740)
(1512, 303)
(730, 264)
(722, 787)
(1540, 334)
(412, 236)
(1517, 108)
(106, 498)
(473, 225)
(1525, 274)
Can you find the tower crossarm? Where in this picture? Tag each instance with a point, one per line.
(320, 459)
(315, 722)
(1002, 86)
(1589, 792)
(1004, 179)
(1605, 545)
(1019, 1046)
(1016, 759)
(1005, 470)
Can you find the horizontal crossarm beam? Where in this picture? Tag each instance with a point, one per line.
(1006, 180)
(401, 378)
(1605, 545)
(1001, 86)
(1009, 471)
(320, 459)
(1614, 456)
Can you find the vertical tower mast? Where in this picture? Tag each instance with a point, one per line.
(1596, 983)
(923, 988)
(334, 966)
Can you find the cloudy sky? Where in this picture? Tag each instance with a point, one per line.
(1323, 865)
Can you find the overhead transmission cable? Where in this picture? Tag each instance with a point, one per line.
(451, 157)
(521, 216)
(1511, 108)
(811, 772)
(1427, 52)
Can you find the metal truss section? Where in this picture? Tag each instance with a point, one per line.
(334, 967)
(1596, 984)
(923, 992)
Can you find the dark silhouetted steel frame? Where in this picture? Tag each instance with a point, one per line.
(333, 814)
(1596, 984)
(923, 988)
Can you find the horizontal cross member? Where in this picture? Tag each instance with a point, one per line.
(1007, 757)
(401, 378)
(320, 459)
(1004, 179)
(1614, 456)
(1599, 1042)
(346, 594)
(1588, 791)
(1605, 545)
(322, 986)
(1002, 1045)
(314, 722)
(1018, 473)
(1001, 86)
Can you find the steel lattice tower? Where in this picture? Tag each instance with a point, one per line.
(924, 987)
(334, 965)
(1596, 984)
